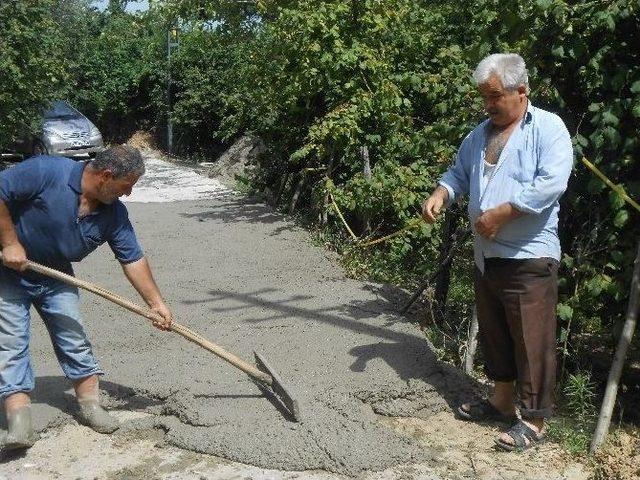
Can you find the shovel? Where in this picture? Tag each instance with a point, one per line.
(264, 376)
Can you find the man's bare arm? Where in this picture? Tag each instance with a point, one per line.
(13, 253)
(139, 275)
(490, 222)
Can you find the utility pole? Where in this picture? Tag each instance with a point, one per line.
(173, 41)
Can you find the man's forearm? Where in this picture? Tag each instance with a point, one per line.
(139, 275)
(442, 193)
(508, 212)
(490, 222)
(8, 234)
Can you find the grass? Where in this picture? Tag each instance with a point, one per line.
(573, 428)
(573, 435)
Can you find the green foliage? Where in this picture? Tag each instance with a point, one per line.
(202, 70)
(325, 79)
(573, 435)
(108, 64)
(320, 81)
(31, 66)
(119, 69)
(578, 397)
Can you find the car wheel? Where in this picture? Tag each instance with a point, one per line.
(38, 148)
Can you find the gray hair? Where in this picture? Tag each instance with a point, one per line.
(508, 67)
(121, 161)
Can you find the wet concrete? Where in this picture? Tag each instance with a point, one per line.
(239, 274)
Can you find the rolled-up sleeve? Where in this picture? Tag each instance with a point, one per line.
(456, 179)
(554, 166)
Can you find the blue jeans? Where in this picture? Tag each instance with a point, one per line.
(57, 304)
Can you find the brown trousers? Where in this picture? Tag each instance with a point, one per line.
(516, 305)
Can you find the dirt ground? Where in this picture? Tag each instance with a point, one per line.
(463, 452)
(377, 403)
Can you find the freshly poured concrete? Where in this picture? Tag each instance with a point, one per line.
(239, 274)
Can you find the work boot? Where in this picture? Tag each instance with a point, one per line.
(20, 432)
(93, 415)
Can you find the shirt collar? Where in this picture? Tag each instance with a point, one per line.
(75, 177)
(526, 119)
(528, 115)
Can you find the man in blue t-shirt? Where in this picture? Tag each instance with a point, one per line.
(54, 211)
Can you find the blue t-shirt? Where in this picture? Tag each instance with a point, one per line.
(43, 197)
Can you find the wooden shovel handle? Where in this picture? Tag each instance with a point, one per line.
(153, 316)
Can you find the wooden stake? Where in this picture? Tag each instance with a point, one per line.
(472, 343)
(296, 193)
(325, 204)
(604, 420)
(365, 226)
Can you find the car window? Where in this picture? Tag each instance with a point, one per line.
(60, 111)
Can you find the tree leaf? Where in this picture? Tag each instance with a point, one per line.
(565, 312)
(621, 218)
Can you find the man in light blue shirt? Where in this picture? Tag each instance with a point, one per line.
(514, 167)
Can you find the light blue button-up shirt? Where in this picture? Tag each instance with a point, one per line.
(531, 174)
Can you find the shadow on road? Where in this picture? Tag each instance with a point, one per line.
(407, 354)
(246, 211)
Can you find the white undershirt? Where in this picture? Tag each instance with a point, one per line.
(488, 171)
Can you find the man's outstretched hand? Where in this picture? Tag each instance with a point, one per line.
(432, 206)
